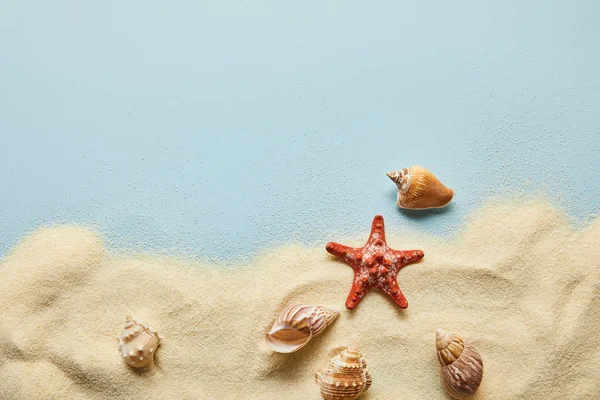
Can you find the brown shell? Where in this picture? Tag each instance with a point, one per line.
(346, 376)
(138, 343)
(419, 189)
(297, 324)
(462, 367)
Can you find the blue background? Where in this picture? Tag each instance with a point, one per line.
(218, 129)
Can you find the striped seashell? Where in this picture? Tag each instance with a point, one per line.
(297, 324)
(138, 343)
(346, 376)
(419, 189)
(462, 367)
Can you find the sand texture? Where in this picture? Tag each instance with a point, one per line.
(517, 282)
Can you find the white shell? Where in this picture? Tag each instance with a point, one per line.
(346, 376)
(297, 324)
(138, 343)
(462, 367)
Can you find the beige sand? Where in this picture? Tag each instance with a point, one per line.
(518, 282)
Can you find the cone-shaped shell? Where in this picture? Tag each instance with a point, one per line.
(419, 189)
(462, 367)
(346, 376)
(138, 343)
(297, 324)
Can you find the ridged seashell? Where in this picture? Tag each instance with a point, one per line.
(462, 368)
(138, 343)
(419, 189)
(296, 325)
(346, 376)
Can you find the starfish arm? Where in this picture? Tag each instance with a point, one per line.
(403, 257)
(394, 292)
(357, 292)
(378, 228)
(339, 250)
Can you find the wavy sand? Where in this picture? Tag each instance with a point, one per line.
(519, 283)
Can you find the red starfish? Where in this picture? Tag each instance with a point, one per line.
(375, 265)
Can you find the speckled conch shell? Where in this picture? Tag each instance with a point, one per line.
(462, 368)
(346, 376)
(138, 343)
(419, 189)
(297, 324)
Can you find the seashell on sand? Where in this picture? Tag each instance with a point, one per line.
(462, 367)
(346, 376)
(138, 343)
(419, 189)
(297, 324)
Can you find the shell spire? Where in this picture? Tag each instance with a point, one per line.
(138, 344)
(346, 376)
(462, 367)
(297, 324)
(419, 189)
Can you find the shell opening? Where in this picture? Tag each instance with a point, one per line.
(287, 340)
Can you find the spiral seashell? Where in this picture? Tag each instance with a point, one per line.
(419, 189)
(296, 325)
(346, 376)
(462, 368)
(138, 343)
